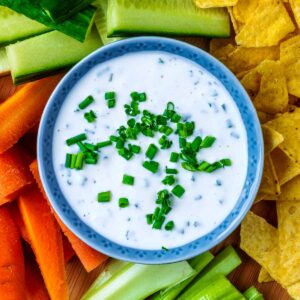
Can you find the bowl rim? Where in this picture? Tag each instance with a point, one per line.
(250, 120)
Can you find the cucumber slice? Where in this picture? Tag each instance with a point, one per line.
(176, 17)
(101, 21)
(78, 26)
(60, 11)
(14, 27)
(4, 66)
(47, 53)
(253, 294)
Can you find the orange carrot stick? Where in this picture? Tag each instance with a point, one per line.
(46, 242)
(23, 110)
(35, 286)
(68, 250)
(12, 272)
(89, 257)
(14, 174)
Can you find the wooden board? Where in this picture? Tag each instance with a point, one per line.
(245, 276)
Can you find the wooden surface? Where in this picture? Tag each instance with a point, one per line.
(243, 277)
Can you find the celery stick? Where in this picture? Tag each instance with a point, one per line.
(218, 288)
(223, 264)
(136, 281)
(197, 263)
(253, 294)
(4, 66)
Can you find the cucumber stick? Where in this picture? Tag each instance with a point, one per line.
(223, 264)
(14, 26)
(78, 26)
(4, 66)
(101, 21)
(218, 288)
(45, 54)
(197, 263)
(60, 11)
(137, 282)
(253, 294)
(177, 17)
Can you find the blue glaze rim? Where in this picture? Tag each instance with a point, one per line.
(255, 151)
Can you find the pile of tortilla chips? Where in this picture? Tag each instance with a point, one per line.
(264, 53)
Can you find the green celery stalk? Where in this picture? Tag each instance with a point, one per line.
(101, 21)
(60, 11)
(136, 281)
(197, 263)
(4, 66)
(223, 264)
(253, 294)
(218, 288)
(78, 26)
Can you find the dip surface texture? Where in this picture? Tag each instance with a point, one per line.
(198, 97)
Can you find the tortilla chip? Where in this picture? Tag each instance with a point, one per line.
(259, 197)
(245, 59)
(215, 3)
(264, 276)
(259, 240)
(244, 9)
(272, 97)
(294, 290)
(288, 213)
(290, 59)
(293, 99)
(251, 82)
(223, 52)
(237, 26)
(286, 168)
(272, 139)
(216, 44)
(269, 23)
(288, 125)
(295, 5)
(269, 183)
(291, 190)
(264, 117)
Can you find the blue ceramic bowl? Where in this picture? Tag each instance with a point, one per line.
(255, 150)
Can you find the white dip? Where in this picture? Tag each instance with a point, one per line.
(198, 97)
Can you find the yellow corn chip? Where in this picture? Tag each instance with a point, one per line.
(270, 23)
(269, 183)
(216, 44)
(215, 3)
(294, 291)
(223, 52)
(291, 190)
(286, 168)
(288, 213)
(264, 276)
(272, 139)
(244, 9)
(264, 117)
(295, 4)
(259, 197)
(290, 59)
(251, 82)
(244, 59)
(259, 240)
(237, 26)
(288, 125)
(272, 97)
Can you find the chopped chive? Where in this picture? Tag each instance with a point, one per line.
(134, 96)
(161, 120)
(81, 147)
(86, 102)
(123, 202)
(79, 161)
(169, 180)
(164, 142)
(91, 161)
(73, 161)
(149, 219)
(182, 142)
(68, 160)
(158, 222)
(131, 123)
(104, 196)
(189, 167)
(125, 153)
(171, 171)
(167, 130)
(111, 103)
(207, 142)
(169, 226)
(174, 157)
(120, 144)
(151, 151)
(90, 116)
(127, 179)
(213, 167)
(175, 118)
(151, 166)
(156, 213)
(196, 144)
(178, 191)
(134, 148)
(110, 95)
(75, 139)
(103, 144)
(226, 162)
(203, 166)
(170, 106)
(90, 147)
(142, 97)
(164, 248)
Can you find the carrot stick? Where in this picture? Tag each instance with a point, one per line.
(89, 257)
(68, 250)
(14, 174)
(35, 286)
(46, 242)
(12, 272)
(23, 110)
